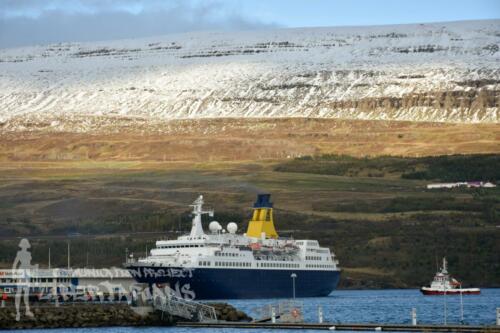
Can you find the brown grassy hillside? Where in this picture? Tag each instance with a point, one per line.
(245, 139)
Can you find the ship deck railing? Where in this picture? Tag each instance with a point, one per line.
(286, 311)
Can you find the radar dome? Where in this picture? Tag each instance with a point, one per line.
(232, 227)
(214, 226)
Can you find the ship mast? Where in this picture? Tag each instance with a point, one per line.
(196, 227)
(444, 270)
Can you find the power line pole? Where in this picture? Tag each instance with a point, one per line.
(445, 311)
(293, 276)
(69, 256)
(461, 306)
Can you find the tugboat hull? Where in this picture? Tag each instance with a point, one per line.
(469, 291)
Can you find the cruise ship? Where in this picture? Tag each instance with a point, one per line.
(222, 264)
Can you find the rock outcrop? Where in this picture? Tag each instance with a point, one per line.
(227, 312)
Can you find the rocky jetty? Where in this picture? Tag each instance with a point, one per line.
(79, 315)
(228, 312)
(99, 315)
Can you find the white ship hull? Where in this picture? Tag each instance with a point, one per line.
(455, 291)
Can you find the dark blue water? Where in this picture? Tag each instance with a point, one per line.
(394, 306)
(361, 306)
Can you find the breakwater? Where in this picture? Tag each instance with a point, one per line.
(75, 315)
(228, 312)
(79, 315)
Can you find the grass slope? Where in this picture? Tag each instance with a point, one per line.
(387, 230)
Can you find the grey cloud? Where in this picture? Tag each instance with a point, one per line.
(31, 8)
(109, 22)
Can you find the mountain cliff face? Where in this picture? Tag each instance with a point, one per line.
(442, 72)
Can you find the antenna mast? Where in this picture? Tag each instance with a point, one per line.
(196, 227)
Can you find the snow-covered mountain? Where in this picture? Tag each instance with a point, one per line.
(445, 72)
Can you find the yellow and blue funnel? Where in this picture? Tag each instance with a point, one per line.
(262, 219)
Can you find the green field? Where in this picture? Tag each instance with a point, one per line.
(386, 228)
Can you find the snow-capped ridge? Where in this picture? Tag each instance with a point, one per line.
(444, 72)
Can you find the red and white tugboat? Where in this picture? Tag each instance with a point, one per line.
(444, 284)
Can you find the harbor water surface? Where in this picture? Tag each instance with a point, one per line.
(358, 306)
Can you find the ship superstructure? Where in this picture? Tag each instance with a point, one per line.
(74, 283)
(223, 264)
(37, 280)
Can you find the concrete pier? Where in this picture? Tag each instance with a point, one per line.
(348, 327)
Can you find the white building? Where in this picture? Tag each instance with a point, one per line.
(461, 184)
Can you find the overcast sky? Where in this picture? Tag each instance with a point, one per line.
(28, 22)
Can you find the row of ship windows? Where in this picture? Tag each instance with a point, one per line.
(49, 280)
(33, 280)
(318, 250)
(247, 264)
(313, 258)
(178, 246)
(318, 266)
(219, 254)
(232, 264)
(279, 264)
(310, 243)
